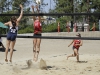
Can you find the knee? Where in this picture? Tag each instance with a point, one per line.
(73, 54)
(77, 54)
(38, 46)
(34, 50)
(7, 48)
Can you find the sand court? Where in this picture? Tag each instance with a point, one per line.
(54, 54)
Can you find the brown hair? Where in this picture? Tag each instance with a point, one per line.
(13, 23)
(78, 34)
(13, 18)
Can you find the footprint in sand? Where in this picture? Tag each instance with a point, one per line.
(88, 69)
(1, 63)
(54, 56)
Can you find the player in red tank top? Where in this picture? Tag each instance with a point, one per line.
(37, 33)
(76, 44)
(37, 27)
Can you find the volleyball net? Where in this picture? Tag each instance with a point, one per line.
(61, 32)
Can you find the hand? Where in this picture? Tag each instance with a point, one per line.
(36, 6)
(68, 45)
(32, 6)
(21, 6)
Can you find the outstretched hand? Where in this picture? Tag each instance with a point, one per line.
(32, 6)
(36, 6)
(21, 6)
(68, 45)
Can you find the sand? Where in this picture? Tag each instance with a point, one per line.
(52, 58)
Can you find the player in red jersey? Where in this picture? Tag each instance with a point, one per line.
(76, 45)
(37, 33)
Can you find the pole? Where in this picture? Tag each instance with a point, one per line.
(58, 27)
(88, 15)
(74, 9)
(99, 24)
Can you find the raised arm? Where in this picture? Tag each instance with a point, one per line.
(38, 12)
(33, 12)
(21, 13)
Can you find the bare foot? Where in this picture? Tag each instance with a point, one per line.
(10, 60)
(34, 58)
(6, 60)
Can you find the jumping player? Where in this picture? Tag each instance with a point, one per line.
(76, 44)
(37, 33)
(12, 33)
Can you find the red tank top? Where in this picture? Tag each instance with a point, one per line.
(76, 42)
(37, 27)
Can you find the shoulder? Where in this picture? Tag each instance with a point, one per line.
(8, 23)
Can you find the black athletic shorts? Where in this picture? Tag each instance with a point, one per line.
(37, 35)
(75, 48)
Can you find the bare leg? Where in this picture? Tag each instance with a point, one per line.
(11, 49)
(7, 48)
(73, 55)
(34, 48)
(77, 54)
(38, 48)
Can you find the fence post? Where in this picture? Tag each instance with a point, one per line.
(58, 27)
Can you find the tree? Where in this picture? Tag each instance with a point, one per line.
(64, 6)
(2, 5)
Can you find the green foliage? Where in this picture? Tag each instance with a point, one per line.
(54, 26)
(64, 6)
(27, 29)
(2, 31)
(50, 28)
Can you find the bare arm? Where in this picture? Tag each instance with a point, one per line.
(38, 12)
(33, 12)
(21, 13)
(81, 43)
(7, 23)
(93, 26)
(71, 43)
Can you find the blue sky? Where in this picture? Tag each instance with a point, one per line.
(48, 6)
